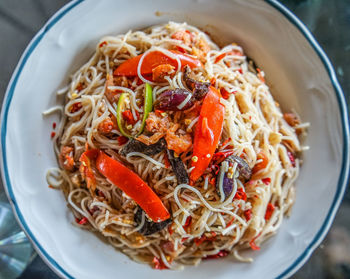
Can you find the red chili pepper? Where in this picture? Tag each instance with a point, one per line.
(159, 112)
(212, 181)
(79, 87)
(187, 224)
(133, 186)
(75, 107)
(102, 44)
(221, 254)
(266, 180)
(269, 210)
(240, 70)
(53, 134)
(208, 132)
(226, 141)
(154, 59)
(170, 230)
(240, 195)
(100, 193)
(215, 168)
(248, 214)
(182, 50)
(158, 263)
(93, 210)
(213, 81)
(253, 244)
(54, 125)
(220, 156)
(230, 223)
(128, 117)
(122, 140)
(198, 241)
(82, 221)
(291, 158)
(166, 162)
(224, 93)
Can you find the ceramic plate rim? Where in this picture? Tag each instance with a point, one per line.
(343, 177)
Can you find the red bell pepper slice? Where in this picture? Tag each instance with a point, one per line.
(133, 186)
(208, 132)
(152, 60)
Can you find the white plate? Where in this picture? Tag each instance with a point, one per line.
(297, 70)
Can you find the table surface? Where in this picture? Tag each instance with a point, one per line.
(328, 20)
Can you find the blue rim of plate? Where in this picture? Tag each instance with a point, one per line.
(343, 177)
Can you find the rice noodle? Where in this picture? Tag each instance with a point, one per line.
(253, 124)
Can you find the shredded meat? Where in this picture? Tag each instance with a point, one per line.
(106, 126)
(168, 247)
(112, 95)
(156, 125)
(200, 49)
(66, 158)
(159, 72)
(121, 81)
(163, 127)
(108, 92)
(291, 118)
(179, 143)
(150, 140)
(182, 36)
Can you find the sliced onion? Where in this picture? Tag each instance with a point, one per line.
(184, 102)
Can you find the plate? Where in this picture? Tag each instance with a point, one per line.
(297, 70)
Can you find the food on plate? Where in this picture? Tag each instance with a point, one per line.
(174, 149)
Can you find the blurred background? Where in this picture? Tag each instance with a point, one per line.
(328, 20)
